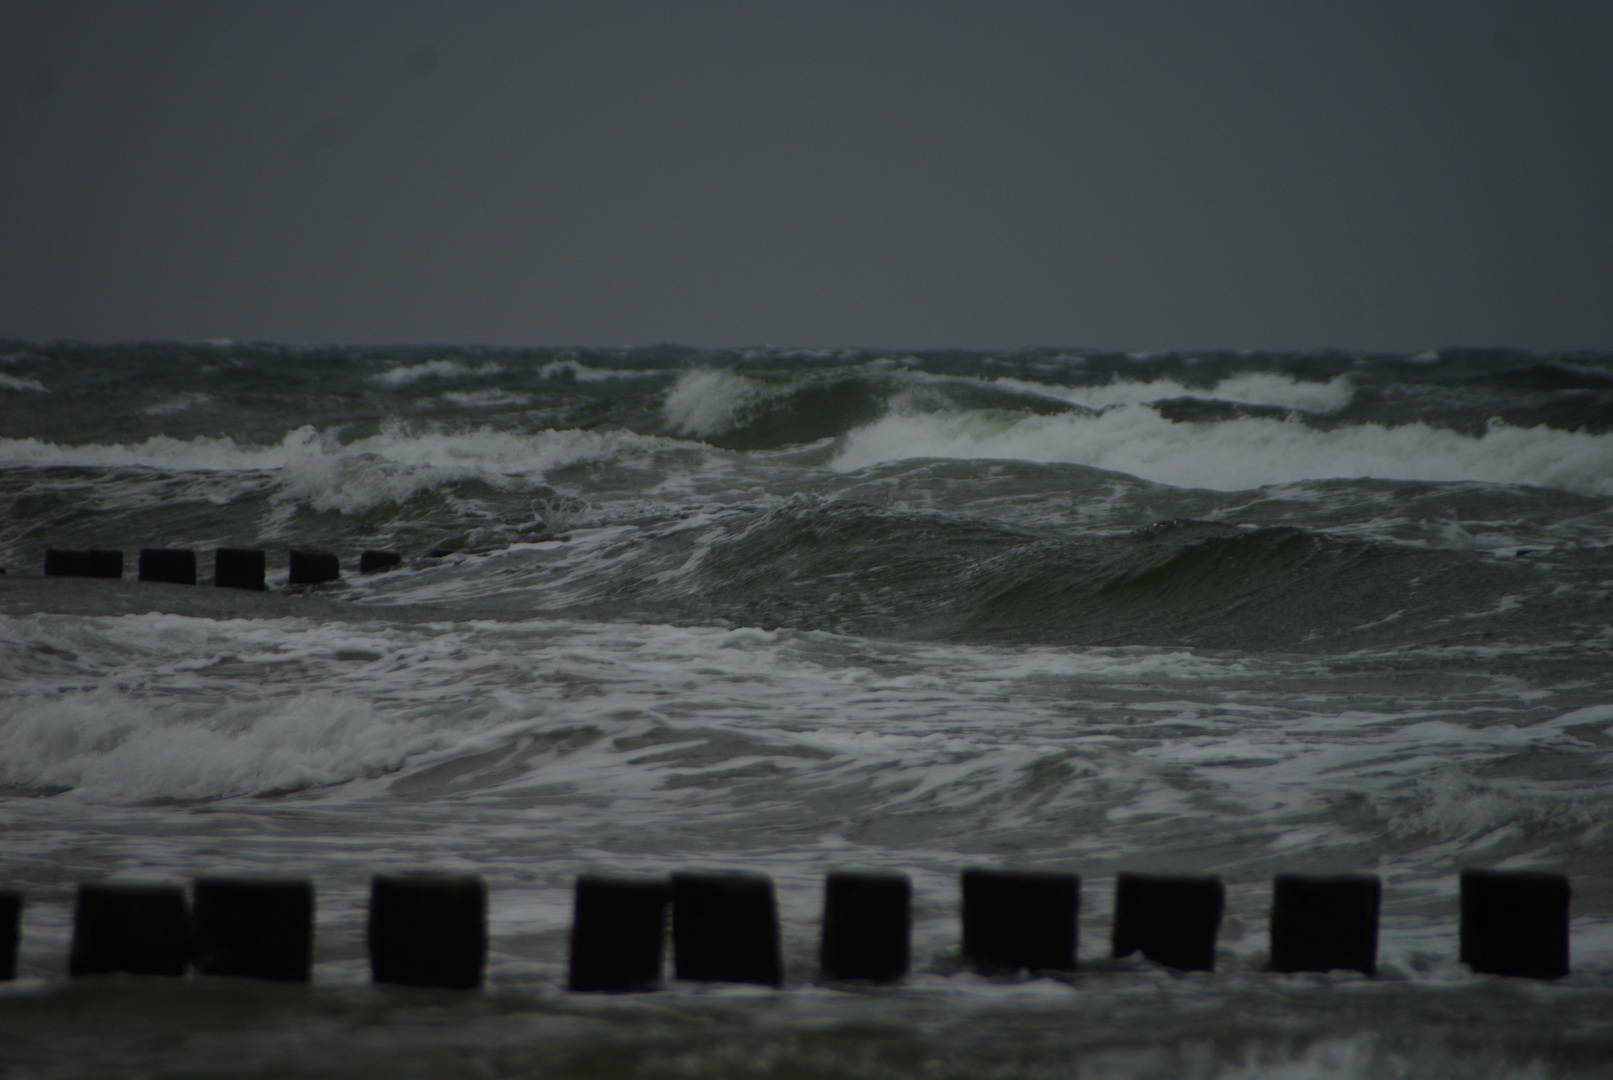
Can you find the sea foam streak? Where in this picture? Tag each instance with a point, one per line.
(1235, 455)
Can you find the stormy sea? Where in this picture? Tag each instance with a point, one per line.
(666, 609)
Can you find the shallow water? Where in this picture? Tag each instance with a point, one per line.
(660, 609)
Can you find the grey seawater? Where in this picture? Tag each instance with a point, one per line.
(663, 610)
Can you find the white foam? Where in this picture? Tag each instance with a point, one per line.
(1339, 1057)
(158, 706)
(572, 745)
(433, 369)
(19, 382)
(109, 745)
(1240, 454)
(150, 706)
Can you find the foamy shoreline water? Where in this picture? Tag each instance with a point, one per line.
(1227, 614)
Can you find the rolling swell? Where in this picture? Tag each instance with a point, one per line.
(1194, 583)
(804, 414)
(857, 569)
(735, 410)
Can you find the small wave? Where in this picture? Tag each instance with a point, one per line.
(201, 454)
(180, 403)
(1244, 453)
(485, 399)
(433, 369)
(19, 382)
(571, 370)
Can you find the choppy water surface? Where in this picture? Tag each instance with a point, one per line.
(663, 609)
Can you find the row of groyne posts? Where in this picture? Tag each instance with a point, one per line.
(431, 929)
(233, 568)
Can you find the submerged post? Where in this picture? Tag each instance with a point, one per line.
(1017, 920)
(313, 567)
(1170, 920)
(238, 568)
(725, 928)
(255, 929)
(428, 930)
(370, 562)
(10, 932)
(139, 929)
(1515, 922)
(1323, 923)
(95, 562)
(618, 932)
(175, 565)
(867, 925)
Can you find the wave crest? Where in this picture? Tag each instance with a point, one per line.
(317, 469)
(1242, 453)
(1249, 388)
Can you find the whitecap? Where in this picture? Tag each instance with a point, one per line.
(1248, 388)
(1241, 454)
(19, 382)
(433, 369)
(571, 369)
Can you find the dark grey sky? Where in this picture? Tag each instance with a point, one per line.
(1134, 175)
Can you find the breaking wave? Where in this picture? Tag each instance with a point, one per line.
(390, 467)
(1243, 431)
(1243, 452)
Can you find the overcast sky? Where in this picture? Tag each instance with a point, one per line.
(1134, 175)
